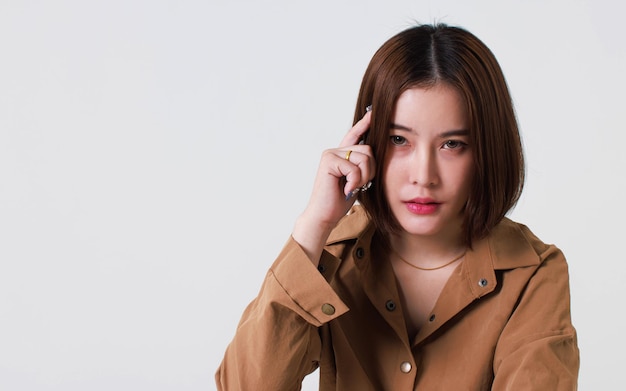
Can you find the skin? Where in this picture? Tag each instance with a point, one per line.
(428, 159)
(423, 160)
(328, 202)
(427, 174)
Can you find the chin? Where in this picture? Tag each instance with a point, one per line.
(421, 229)
(428, 226)
(423, 233)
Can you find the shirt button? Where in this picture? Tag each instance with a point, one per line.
(321, 268)
(390, 305)
(482, 283)
(360, 253)
(432, 318)
(406, 367)
(328, 309)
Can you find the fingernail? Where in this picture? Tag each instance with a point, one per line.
(353, 193)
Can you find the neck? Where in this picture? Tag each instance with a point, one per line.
(427, 251)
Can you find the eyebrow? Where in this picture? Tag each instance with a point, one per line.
(455, 132)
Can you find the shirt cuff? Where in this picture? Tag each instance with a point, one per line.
(304, 284)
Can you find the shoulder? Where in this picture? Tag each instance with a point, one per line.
(512, 245)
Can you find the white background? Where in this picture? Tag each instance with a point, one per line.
(154, 156)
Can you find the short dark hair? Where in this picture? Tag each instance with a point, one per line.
(423, 56)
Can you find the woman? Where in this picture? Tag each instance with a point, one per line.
(424, 284)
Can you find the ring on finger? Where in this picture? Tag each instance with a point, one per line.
(348, 155)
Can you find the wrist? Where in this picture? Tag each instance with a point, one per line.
(311, 234)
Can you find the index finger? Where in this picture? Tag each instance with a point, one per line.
(355, 133)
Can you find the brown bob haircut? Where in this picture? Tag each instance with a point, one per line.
(426, 55)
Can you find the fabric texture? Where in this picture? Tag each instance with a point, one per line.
(502, 321)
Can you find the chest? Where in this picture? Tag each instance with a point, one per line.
(370, 340)
(419, 291)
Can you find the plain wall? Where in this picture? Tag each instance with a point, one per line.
(155, 154)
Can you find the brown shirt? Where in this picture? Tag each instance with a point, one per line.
(502, 321)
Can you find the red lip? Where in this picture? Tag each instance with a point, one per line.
(422, 200)
(422, 206)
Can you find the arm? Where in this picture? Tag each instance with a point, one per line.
(277, 341)
(340, 173)
(538, 347)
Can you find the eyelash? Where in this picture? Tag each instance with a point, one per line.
(456, 144)
(397, 140)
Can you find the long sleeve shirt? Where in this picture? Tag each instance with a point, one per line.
(501, 322)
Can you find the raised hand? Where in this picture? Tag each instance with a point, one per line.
(341, 173)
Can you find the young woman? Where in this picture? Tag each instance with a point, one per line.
(423, 284)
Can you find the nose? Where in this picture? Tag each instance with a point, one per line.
(423, 170)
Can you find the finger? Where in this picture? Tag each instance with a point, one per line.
(353, 176)
(355, 133)
(362, 167)
(361, 155)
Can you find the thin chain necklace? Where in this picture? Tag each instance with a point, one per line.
(426, 268)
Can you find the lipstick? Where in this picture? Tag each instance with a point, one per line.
(422, 206)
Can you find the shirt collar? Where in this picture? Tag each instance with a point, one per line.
(355, 225)
(509, 245)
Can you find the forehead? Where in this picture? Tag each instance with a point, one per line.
(439, 108)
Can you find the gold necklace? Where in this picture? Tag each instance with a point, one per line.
(426, 268)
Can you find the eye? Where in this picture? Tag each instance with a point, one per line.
(397, 140)
(454, 144)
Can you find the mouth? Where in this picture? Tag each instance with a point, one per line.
(422, 206)
(422, 200)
